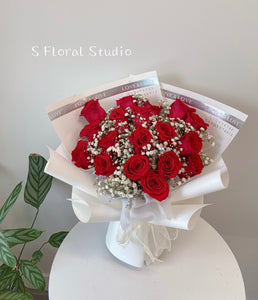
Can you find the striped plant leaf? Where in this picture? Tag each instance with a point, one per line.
(7, 278)
(20, 235)
(10, 201)
(6, 255)
(3, 269)
(38, 183)
(36, 257)
(13, 295)
(56, 239)
(32, 274)
(19, 286)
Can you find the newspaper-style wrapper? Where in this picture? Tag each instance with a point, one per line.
(147, 236)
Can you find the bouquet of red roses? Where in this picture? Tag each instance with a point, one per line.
(141, 158)
(138, 148)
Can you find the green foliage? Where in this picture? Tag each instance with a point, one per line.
(36, 257)
(13, 269)
(13, 295)
(10, 201)
(18, 285)
(20, 235)
(6, 255)
(32, 274)
(8, 276)
(56, 239)
(38, 183)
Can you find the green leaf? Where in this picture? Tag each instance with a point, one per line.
(7, 278)
(6, 255)
(36, 257)
(38, 183)
(56, 239)
(32, 274)
(10, 201)
(13, 295)
(3, 269)
(19, 286)
(20, 235)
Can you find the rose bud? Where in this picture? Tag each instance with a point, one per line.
(191, 143)
(168, 164)
(136, 167)
(155, 186)
(179, 109)
(92, 111)
(80, 155)
(104, 165)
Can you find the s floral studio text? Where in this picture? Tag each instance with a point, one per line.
(92, 51)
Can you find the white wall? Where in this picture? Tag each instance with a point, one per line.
(209, 47)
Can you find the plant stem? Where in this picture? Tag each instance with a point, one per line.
(33, 222)
(34, 219)
(45, 243)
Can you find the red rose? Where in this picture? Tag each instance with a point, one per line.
(165, 131)
(136, 167)
(89, 130)
(108, 140)
(126, 101)
(92, 111)
(118, 114)
(143, 111)
(191, 143)
(140, 137)
(179, 109)
(155, 110)
(155, 186)
(168, 164)
(104, 165)
(140, 111)
(147, 110)
(194, 166)
(80, 155)
(196, 121)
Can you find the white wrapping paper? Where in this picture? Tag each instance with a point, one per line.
(181, 210)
